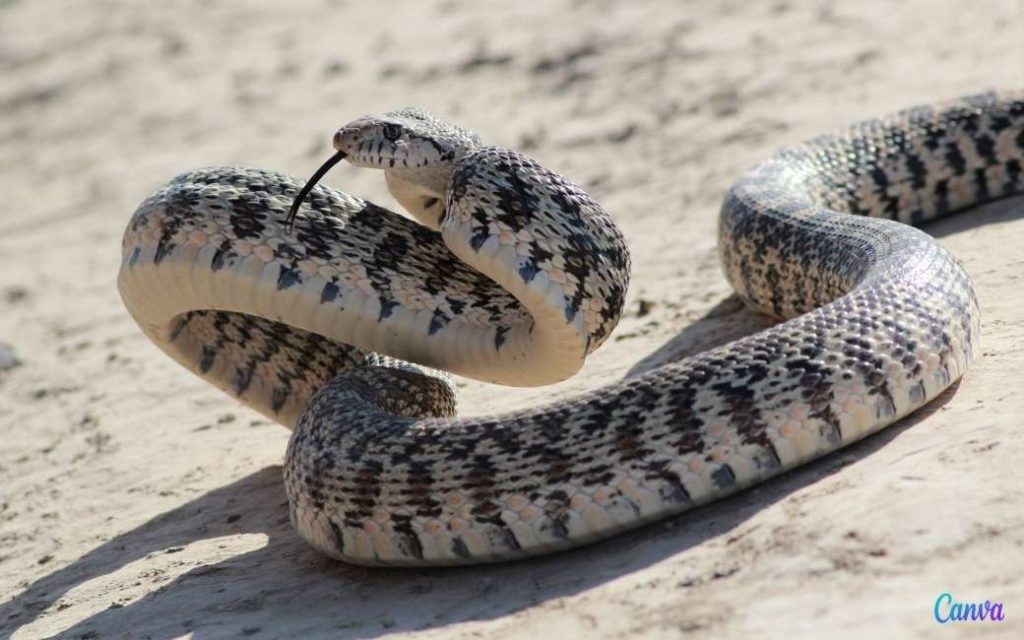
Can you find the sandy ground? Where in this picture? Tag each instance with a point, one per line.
(136, 502)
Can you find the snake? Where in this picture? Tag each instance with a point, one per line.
(347, 322)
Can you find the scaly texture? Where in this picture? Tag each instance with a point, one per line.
(524, 278)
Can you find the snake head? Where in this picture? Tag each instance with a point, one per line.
(405, 141)
(417, 152)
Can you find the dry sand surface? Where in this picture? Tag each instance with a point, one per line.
(138, 502)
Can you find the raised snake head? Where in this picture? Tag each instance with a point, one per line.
(407, 139)
(417, 152)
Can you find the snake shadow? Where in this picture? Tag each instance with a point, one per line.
(285, 589)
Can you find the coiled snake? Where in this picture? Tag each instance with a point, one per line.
(513, 276)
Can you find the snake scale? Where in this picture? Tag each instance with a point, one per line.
(342, 326)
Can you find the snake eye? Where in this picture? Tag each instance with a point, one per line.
(392, 131)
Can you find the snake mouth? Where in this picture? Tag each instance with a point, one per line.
(312, 182)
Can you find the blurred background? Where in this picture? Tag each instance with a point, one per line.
(137, 502)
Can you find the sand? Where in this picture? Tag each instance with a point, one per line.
(138, 502)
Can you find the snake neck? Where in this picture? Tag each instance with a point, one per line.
(421, 190)
(545, 241)
(420, 195)
(541, 239)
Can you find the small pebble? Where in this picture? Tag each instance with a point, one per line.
(8, 358)
(15, 294)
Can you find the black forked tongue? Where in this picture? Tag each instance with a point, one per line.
(315, 178)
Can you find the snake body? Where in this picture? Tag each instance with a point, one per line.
(339, 326)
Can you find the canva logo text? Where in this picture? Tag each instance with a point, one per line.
(947, 609)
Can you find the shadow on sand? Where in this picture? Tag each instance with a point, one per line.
(270, 591)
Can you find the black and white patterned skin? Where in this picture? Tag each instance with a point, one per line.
(514, 276)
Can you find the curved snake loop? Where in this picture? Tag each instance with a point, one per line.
(513, 275)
